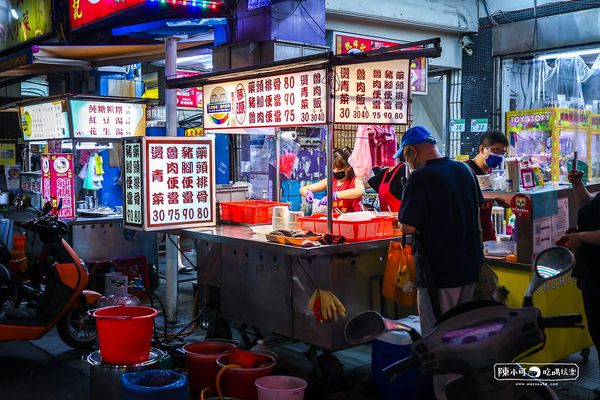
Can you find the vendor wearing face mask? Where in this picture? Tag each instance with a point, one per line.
(347, 189)
(492, 149)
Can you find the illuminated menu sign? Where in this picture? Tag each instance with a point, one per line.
(107, 120)
(372, 93)
(58, 183)
(177, 180)
(82, 12)
(294, 99)
(44, 121)
(132, 184)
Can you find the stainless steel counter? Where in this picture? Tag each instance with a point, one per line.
(244, 235)
(267, 285)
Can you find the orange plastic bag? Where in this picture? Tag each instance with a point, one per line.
(399, 280)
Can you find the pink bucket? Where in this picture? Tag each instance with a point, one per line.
(280, 387)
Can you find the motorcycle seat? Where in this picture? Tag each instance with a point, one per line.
(22, 317)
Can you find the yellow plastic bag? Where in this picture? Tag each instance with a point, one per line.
(399, 280)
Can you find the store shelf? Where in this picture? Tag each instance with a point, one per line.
(37, 173)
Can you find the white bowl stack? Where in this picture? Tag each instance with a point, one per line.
(281, 215)
(294, 223)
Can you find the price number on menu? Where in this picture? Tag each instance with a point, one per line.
(308, 117)
(185, 214)
(134, 216)
(346, 113)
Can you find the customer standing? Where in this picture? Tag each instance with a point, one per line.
(492, 149)
(586, 243)
(440, 207)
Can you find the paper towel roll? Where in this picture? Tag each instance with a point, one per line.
(287, 135)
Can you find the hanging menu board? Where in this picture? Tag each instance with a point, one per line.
(294, 99)
(132, 184)
(372, 93)
(44, 121)
(177, 178)
(58, 183)
(107, 120)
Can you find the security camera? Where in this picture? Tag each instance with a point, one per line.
(466, 44)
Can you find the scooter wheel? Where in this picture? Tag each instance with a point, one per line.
(77, 329)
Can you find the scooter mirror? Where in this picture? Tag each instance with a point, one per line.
(554, 262)
(549, 264)
(368, 325)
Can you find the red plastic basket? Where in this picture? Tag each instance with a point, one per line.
(249, 211)
(353, 231)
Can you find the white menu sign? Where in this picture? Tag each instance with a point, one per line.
(44, 121)
(372, 93)
(132, 184)
(180, 186)
(294, 99)
(107, 120)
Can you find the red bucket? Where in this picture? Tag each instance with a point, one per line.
(201, 363)
(239, 382)
(124, 333)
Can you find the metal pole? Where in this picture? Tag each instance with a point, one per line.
(277, 189)
(329, 150)
(172, 254)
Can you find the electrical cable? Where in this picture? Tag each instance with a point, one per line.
(311, 17)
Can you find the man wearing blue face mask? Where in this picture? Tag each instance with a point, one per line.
(492, 149)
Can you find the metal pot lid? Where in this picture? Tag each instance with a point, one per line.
(95, 359)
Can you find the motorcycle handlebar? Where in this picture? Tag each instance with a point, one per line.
(563, 321)
(401, 366)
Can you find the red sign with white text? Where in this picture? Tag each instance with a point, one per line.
(83, 12)
(58, 183)
(350, 44)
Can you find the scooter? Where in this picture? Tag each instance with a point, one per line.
(471, 339)
(63, 301)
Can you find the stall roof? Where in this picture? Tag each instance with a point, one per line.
(430, 48)
(39, 60)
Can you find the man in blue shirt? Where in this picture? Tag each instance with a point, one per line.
(440, 206)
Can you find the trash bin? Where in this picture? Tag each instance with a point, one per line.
(155, 384)
(389, 348)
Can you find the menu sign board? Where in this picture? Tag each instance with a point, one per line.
(189, 97)
(353, 44)
(83, 12)
(58, 183)
(177, 181)
(294, 99)
(44, 121)
(107, 120)
(22, 21)
(132, 184)
(372, 93)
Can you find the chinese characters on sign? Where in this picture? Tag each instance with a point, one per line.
(132, 184)
(103, 119)
(180, 182)
(543, 372)
(44, 121)
(58, 183)
(295, 99)
(374, 93)
(351, 44)
(83, 12)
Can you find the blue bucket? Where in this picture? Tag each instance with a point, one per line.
(156, 384)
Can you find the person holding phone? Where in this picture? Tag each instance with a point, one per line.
(585, 241)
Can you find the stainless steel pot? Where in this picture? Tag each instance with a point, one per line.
(105, 379)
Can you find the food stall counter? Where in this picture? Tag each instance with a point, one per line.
(267, 285)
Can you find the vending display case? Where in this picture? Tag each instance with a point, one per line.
(550, 136)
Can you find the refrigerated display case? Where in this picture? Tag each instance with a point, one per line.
(550, 136)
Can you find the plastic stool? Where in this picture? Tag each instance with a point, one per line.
(134, 267)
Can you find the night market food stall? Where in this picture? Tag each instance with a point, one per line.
(73, 146)
(267, 284)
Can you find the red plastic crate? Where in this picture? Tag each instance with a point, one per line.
(249, 211)
(353, 231)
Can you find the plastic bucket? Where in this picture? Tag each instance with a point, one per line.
(124, 333)
(154, 385)
(239, 382)
(19, 243)
(201, 363)
(280, 387)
